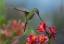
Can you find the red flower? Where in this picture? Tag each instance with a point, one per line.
(13, 29)
(7, 33)
(31, 39)
(18, 26)
(41, 38)
(28, 41)
(15, 26)
(52, 31)
(42, 27)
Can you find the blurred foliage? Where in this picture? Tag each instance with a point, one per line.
(2, 12)
(2, 20)
(8, 41)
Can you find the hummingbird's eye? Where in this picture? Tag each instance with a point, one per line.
(37, 12)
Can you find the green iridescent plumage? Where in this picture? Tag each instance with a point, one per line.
(28, 14)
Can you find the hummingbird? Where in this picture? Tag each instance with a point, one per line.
(28, 14)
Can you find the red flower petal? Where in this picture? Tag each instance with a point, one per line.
(41, 38)
(32, 37)
(42, 27)
(52, 30)
(28, 41)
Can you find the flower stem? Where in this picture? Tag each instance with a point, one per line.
(49, 41)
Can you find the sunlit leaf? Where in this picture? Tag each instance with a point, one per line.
(2, 21)
(1, 42)
(2, 12)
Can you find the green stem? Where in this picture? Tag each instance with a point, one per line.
(49, 41)
(48, 37)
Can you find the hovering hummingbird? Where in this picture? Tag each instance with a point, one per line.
(28, 14)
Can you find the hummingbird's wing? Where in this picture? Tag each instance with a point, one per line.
(21, 10)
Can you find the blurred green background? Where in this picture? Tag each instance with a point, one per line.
(51, 11)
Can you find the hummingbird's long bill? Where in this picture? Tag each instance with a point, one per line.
(25, 26)
(40, 18)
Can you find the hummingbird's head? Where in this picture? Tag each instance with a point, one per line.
(36, 11)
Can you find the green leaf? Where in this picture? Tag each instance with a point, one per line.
(1, 42)
(2, 12)
(2, 36)
(14, 33)
(2, 21)
(2, 8)
(8, 41)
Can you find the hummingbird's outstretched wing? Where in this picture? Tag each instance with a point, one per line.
(20, 10)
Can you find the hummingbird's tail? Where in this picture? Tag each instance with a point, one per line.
(40, 18)
(25, 26)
